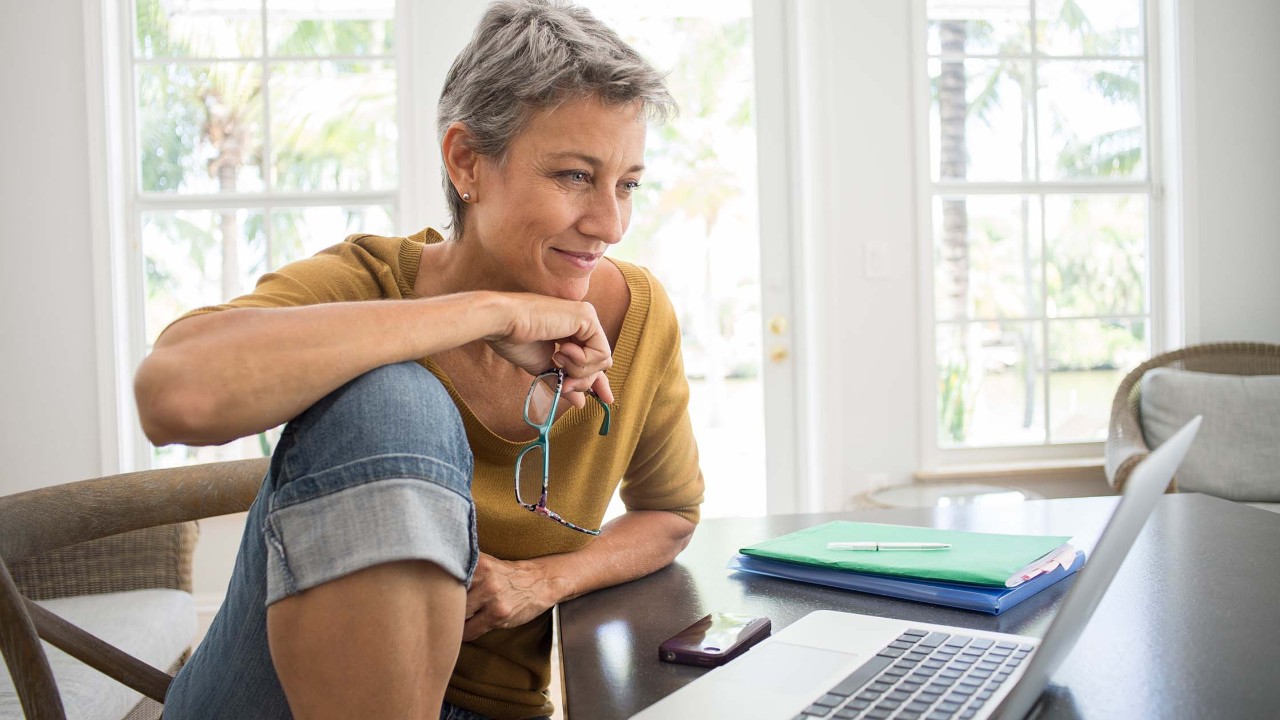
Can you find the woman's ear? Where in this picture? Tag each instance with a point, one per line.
(459, 159)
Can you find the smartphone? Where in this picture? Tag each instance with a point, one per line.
(714, 640)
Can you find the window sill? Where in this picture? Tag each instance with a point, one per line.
(1051, 479)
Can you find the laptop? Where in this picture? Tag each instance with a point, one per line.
(844, 665)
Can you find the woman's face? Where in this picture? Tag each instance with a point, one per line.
(562, 196)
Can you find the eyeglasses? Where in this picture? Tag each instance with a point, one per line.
(539, 411)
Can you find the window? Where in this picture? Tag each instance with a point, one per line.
(264, 131)
(1040, 199)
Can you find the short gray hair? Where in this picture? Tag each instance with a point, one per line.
(532, 55)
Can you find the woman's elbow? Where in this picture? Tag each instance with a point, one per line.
(170, 408)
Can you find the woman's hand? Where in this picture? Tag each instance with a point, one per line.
(544, 331)
(505, 594)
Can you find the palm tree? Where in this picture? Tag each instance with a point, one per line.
(953, 112)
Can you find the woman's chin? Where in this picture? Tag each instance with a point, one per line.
(569, 288)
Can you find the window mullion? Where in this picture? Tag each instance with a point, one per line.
(274, 58)
(268, 181)
(156, 201)
(1036, 55)
(1044, 326)
(1068, 187)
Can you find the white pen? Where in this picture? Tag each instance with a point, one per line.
(877, 546)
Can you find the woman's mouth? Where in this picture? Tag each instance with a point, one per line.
(582, 261)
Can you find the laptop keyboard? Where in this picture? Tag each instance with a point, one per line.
(923, 676)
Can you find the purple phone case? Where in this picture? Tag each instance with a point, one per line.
(714, 640)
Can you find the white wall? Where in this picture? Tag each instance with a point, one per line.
(1235, 68)
(859, 187)
(857, 175)
(48, 370)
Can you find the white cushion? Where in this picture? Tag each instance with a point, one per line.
(1237, 452)
(155, 626)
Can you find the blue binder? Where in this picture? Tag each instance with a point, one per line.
(992, 600)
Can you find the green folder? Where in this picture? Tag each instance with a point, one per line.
(978, 558)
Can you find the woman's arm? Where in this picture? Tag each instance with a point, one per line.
(217, 377)
(506, 594)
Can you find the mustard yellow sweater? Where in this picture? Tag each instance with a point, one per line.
(649, 455)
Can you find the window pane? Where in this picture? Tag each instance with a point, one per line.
(1089, 27)
(198, 28)
(331, 27)
(986, 256)
(1091, 120)
(979, 28)
(333, 126)
(253, 446)
(980, 120)
(990, 384)
(200, 128)
(696, 225)
(185, 254)
(1096, 251)
(1088, 359)
(302, 232)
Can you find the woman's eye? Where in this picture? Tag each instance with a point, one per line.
(577, 176)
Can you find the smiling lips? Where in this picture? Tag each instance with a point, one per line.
(585, 261)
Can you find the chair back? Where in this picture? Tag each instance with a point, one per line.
(1127, 442)
(41, 521)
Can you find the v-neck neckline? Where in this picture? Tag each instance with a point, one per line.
(623, 353)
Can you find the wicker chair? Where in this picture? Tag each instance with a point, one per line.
(111, 534)
(1126, 446)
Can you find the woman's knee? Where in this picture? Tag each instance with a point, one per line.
(400, 409)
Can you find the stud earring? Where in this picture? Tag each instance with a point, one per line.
(466, 197)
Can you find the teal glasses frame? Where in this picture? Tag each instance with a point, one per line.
(540, 507)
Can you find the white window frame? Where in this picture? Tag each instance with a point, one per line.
(792, 481)
(1164, 283)
(118, 204)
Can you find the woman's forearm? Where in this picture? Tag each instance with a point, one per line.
(217, 377)
(629, 547)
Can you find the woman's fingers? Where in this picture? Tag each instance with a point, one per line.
(581, 361)
(541, 326)
(583, 373)
(602, 389)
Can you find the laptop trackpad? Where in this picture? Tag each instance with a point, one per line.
(780, 667)
(774, 679)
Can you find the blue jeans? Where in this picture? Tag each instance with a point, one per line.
(379, 470)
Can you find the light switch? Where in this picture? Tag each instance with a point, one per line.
(875, 259)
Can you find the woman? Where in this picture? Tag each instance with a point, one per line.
(387, 570)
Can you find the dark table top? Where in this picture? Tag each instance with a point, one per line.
(1190, 627)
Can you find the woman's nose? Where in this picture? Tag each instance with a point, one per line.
(605, 218)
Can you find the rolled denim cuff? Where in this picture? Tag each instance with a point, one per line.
(312, 542)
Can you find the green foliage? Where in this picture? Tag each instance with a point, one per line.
(954, 396)
(337, 37)
(1095, 263)
(700, 79)
(1116, 153)
(168, 130)
(336, 123)
(1093, 345)
(152, 29)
